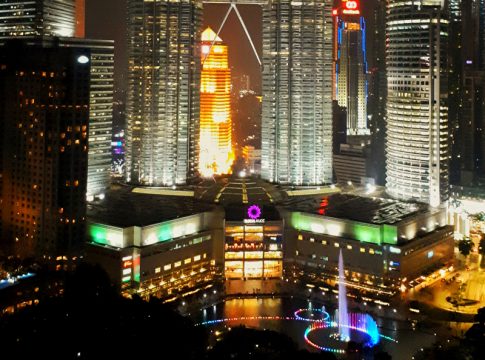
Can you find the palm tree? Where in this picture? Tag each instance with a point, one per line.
(465, 247)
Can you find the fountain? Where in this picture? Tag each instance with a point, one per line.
(332, 333)
(343, 315)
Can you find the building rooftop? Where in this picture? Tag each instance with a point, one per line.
(368, 210)
(123, 208)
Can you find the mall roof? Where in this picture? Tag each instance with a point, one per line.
(123, 208)
(357, 208)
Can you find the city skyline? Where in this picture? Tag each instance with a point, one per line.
(272, 179)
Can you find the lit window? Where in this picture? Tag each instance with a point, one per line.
(300, 237)
(336, 244)
(177, 264)
(312, 240)
(349, 247)
(157, 270)
(362, 250)
(126, 271)
(371, 251)
(187, 261)
(167, 267)
(197, 258)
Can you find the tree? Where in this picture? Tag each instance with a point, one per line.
(465, 246)
(242, 343)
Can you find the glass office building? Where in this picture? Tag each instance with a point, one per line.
(417, 109)
(297, 92)
(163, 91)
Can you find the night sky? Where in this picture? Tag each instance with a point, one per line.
(106, 20)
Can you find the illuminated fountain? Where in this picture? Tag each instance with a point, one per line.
(343, 316)
(325, 332)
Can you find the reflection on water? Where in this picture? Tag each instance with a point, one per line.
(410, 341)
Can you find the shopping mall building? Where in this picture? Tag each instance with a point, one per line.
(172, 246)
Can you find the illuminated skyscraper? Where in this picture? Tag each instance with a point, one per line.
(467, 92)
(297, 92)
(351, 65)
(216, 154)
(163, 91)
(417, 110)
(44, 115)
(38, 18)
(65, 19)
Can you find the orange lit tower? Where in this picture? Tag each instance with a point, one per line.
(216, 152)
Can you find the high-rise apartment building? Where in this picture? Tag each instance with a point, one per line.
(216, 152)
(297, 92)
(417, 108)
(101, 89)
(467, 92)
(163, 91)
(351, 65)
(38, 18)
(65, 19)
(44, 115)
(376, 105)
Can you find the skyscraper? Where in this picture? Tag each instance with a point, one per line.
(467, 92)
(65, 19)
(297, 92)
(376, 105)
(351, 65)
(38, 18)
(216, 152)
(101, 88)
(163, 91)
(44, 114)
(417, 110)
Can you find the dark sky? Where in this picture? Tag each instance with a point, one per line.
(106, 20)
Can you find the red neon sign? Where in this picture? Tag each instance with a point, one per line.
(351, 5)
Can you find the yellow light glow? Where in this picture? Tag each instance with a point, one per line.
(216, 151)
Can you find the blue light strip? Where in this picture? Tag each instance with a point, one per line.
(364, 52)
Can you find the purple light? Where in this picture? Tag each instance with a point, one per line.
(254, 212)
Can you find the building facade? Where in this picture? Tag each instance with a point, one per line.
(417, 109)
(175, 252)
(39, 17)
(65, 19)
(297, 92)
(376, 106)
(163, 91)
(467, 97)
(44, 111)
(351, 65)
(216, 151)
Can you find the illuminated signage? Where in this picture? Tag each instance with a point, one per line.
(351, 5)
(254, 212)
(254, 221)
(351, 8)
